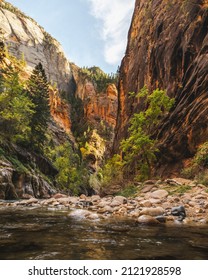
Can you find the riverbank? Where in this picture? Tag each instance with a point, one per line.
(152, 204)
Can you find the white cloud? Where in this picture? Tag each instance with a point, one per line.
(115, 17)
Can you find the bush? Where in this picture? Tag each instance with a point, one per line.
(112, 171)
(198, 167)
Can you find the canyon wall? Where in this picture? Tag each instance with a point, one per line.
(168, 49)
(26, 39)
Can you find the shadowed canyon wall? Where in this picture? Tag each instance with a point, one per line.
(168, 49)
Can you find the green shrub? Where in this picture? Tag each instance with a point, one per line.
(129, 191)
(198, 167)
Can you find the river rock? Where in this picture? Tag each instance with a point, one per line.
(145, 203)
(183, 181)
(103, 203)
(159, 194)
(152, 211)
(135, 213)
(106, 209)
(83, 196)
(50, 201)
(118, 200)
(201, 196)
(95, 198)
(206, 205)
(161, 219)
(146, 219)
(147, 188)
(59, 195)
(63, 200)
(150, 182)
(31, 201)
(155, 201)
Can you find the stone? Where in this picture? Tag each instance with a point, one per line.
(147, 188)
(152, 211)
(31, 201)
(50, 201)
(159, 194)
(145, 203)
(103, 204)
(183, 181)
(95, 198)
(59, 195)
(106, 209)
(146, 219)
(179, 211)
(150, 182)
(155, 201)
(201, 196)
(63, 200)
(135, 213)
(121, 199)
(161, 219)
(83, 196)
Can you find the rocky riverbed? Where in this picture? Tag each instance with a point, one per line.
(153, 204)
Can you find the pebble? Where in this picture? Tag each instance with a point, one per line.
(151, 206)
(147, 219)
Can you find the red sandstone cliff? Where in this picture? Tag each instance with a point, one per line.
(168, 48)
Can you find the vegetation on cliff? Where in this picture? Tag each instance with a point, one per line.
(140, 148)
(100, 79)
(25, 127)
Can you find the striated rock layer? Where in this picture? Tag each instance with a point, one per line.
(168, 49)
(26, 38)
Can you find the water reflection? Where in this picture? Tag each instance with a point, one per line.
(42, 234)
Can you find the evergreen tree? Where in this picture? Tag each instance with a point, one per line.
(16, 108)
(39, 94)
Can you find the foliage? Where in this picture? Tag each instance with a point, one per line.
(112, 171)
(16, 109)
(129, 191)
(140, 148)
(72, 174)
(198, 167)
(100, 79)
(39, 95)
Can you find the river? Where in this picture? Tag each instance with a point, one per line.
(39, 234)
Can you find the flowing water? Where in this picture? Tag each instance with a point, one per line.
(42, 234)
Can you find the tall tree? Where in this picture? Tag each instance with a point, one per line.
(16, 108)
(140, 148)
(39, 94)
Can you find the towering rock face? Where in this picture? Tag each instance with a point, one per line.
(98, 106)
(25, 37)
(168, 49)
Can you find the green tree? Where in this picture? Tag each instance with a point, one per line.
(72, 174)
(39, 94)
(140, 148)
(16, 109)
(112, 171)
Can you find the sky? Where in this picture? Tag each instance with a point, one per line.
(91, 32)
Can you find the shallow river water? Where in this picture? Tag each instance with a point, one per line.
(42, 234)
